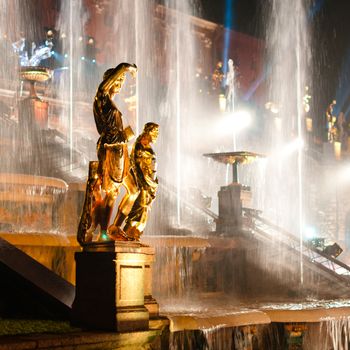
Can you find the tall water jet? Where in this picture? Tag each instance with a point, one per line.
(9, 32)
(288, 54)
(70, 26)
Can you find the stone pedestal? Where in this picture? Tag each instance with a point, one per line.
(230, 208)
(110, 286)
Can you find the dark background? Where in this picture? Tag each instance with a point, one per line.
(330, 38)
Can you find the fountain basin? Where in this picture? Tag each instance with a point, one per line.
(30, 203)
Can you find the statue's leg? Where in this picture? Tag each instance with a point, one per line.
(115, 231)
(128, 200)
(137, 218)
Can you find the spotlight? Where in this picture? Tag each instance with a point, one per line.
(65, 55)
(236, 121)
(333, 250)
(310, 232)
(241, 119)
(82, 58)
(80, 38)
(93, 61)
(63, 35)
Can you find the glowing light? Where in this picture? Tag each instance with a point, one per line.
(82, 58)
(233, 122)
(344, 174)
(239, 120)
(337, 150)
(65, 55)
(290, 148)
(310, 232)
(93, 61)
(309, 124)
(294, 146)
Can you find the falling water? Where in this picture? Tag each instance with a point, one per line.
(300, 136)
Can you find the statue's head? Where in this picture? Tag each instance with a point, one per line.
(120, 73)
(151, 130)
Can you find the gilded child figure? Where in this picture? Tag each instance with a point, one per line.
(144, 167)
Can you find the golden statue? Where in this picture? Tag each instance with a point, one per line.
(109, 172)
(143, 168)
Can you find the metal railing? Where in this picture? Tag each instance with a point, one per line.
(266, 230)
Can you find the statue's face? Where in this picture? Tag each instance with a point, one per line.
(116, 87)
(154, 134)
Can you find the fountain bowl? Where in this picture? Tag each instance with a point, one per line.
(35, 74)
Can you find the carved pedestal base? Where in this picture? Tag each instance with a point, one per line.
(110, 286)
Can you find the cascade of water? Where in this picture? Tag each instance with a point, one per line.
(329, 334)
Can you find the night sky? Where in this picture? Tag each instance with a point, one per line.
(330, 28)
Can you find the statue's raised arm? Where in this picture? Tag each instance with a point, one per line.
(107, 116)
